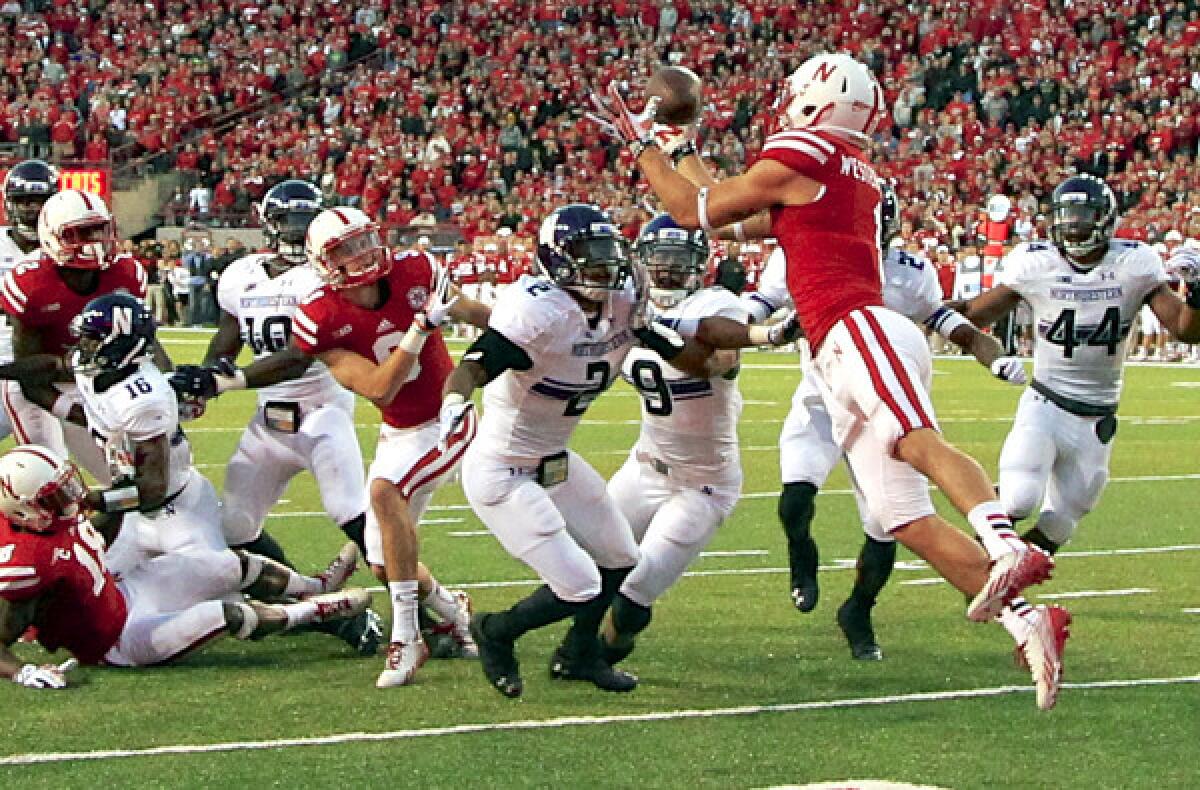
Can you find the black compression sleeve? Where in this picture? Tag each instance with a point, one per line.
(496, 354)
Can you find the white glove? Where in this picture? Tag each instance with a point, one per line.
(1184, 264)
(47, 676)
(436, 311)
(1009, 369)
(616, 120)
(671, 138)
(454, 410)
(785, 330)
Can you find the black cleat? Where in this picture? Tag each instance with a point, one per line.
(497, 659)
(805, 593)
(856, 625)
(363, 632)
(594, 670)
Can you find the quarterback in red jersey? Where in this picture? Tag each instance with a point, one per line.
(79, 263)
(375, 325)
(814, 190)
(53, 577)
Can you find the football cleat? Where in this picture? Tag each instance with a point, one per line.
(1042, 652)
(804, 594)
(855, 623)
(459, 629)
(592, 669)
(401, 664)
(498, 660)
(340, 570)
(1009, 575)
(615, 653)
(339, 605)
(363, 632)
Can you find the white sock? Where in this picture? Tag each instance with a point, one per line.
(405, 627)
(994, 528)
(300, 585)
(441, 602)
(301, 613)
(1017, 618)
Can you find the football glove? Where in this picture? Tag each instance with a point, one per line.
(436, 311)
(785, 330)
(46, 676)
(1009, 369)
(615, 119)
(675, 141)
(199, 381)
(454, 410)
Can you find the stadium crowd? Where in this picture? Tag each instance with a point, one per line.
(471, 113)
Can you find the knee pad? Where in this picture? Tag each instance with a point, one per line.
(797, 506)
(629, 617)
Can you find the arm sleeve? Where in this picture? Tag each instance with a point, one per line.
(496, 354)
(306, 327)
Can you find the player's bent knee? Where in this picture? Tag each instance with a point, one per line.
(1019, 494)
(628, 616)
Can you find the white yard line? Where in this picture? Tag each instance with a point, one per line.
(1097, 593)
(561, 722)
(1191, 611)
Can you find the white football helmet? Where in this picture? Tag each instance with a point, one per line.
(77, 230)
(344, 246)
(39, 489)
(835, 94)
(998, 207)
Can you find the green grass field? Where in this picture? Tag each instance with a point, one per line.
(737, 688)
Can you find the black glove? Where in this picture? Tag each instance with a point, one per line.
(194, 381)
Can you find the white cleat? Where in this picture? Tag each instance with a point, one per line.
(338, 605)
(340, 570)
(401, 664)
(460, 626)
(1042, 652)
(1009, 575)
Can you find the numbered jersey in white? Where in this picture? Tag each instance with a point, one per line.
(688, 423)
(1082, 317)
(531, 413)
(10, 256)
(137, 408)
(263, 306)
(910, 288)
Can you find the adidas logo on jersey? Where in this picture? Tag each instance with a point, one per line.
(385, 325)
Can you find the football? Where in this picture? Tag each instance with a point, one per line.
(679, 92)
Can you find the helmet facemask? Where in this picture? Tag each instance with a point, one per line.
(357, 258)
(597, 264)
(89, 243)
(23, 211)
(676, 265)
(286, 229)
(1080, 229)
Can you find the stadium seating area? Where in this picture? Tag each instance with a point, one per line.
(471, 112)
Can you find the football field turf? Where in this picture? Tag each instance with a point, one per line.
(737, 688)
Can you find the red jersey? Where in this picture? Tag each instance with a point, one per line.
(34, 294)
(79, 607)
(465, 269)
(832, 244)
(327, 320)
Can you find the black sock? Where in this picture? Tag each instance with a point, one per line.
(581, 638)
(266, 546)
(875, 563)
(796, 511)
(355, 529)
(629, 618)
(542, 607)
(1039, 539)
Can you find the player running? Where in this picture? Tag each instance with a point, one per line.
(53, 576)
(374, 323)
(814, 191)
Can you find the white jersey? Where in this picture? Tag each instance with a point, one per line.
(531, 414)
(910, 288)
(10, 256)
(1082, 317)
(137, 408)
(263, 307)
(688, 423)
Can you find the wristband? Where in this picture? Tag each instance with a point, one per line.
(683, 152)
(234, 381)
(453, 399)
(414, 340)
(662, 340)
(702, 209)
(61, 408)
(759, 334)
(120, 500)
(739, 231)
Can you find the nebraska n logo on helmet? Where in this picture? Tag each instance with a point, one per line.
(344, 245)
(833, 93)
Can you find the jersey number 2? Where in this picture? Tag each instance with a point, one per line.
(597, 376)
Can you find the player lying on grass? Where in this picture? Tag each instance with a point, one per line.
(53, 577)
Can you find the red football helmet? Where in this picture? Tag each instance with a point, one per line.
(39, 491)
(344, 246)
